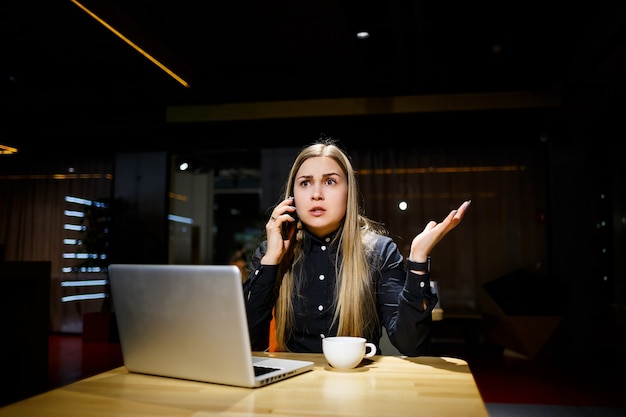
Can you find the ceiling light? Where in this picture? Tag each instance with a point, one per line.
(106, 11)
(7, 150)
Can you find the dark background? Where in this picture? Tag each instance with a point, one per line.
(69, 84)
(481, 75)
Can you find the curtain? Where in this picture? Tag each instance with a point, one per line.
(32, 206)
(503, 230)
(32, 218)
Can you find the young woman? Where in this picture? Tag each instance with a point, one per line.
(333, 271)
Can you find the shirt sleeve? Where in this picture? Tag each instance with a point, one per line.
(259, 297)
(401, 299)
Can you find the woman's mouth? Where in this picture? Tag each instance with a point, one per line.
(317, 211)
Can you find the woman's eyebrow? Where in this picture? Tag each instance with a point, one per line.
(333, 174)
(330, 174)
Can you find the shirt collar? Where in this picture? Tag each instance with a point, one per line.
(311, 240)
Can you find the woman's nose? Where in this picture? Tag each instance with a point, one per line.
(317, 194)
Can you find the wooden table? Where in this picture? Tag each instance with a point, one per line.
(383, 386)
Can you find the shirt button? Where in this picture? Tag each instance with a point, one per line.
(256, 272)
(323, 247)
(321, 277)
(422, 284)
(320, 307)
(327, 239)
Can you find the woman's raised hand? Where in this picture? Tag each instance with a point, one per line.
(423, 243)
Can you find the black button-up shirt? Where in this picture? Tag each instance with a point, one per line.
(399, 298)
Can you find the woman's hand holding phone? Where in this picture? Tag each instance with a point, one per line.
(287, 226)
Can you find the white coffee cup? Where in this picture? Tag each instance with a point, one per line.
(346, 352)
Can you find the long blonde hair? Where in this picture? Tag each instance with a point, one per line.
(355, 301)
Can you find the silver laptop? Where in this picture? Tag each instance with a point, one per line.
(189, 322)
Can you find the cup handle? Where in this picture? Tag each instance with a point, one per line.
(370, 350)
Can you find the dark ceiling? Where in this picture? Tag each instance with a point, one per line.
(63, 72)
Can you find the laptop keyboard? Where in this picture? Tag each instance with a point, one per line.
(260, 370)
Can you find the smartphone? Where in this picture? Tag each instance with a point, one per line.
(286, 226)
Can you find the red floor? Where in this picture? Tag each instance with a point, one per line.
(70, 359)
(574, 382)
(501, 378)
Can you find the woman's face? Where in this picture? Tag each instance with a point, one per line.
(321, 193)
